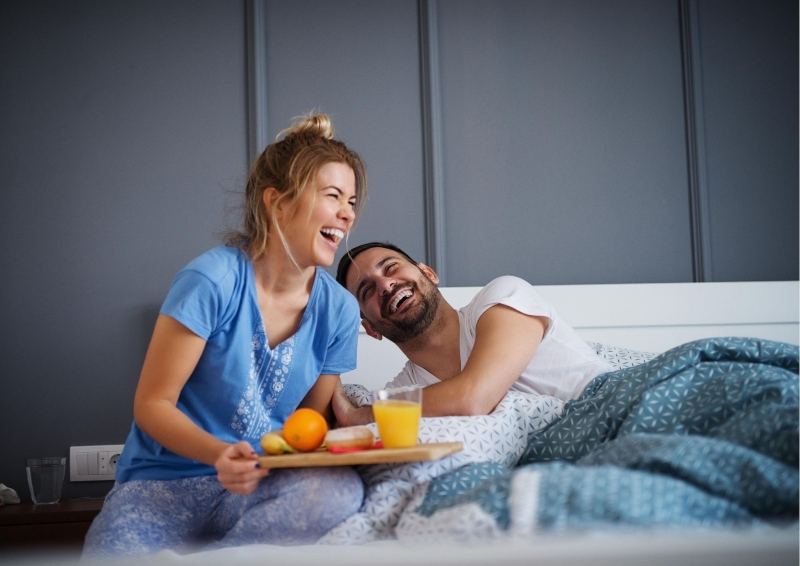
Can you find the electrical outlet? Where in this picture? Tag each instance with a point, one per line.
(93, 463)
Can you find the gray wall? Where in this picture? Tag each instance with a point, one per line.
(360, 64)
(748, 60)
(564, 141)
(122, 135)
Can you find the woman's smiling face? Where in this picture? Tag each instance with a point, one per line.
(323, 216)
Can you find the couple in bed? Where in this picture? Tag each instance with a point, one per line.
(254, 329)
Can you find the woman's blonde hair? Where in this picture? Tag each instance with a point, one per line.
(290, 165)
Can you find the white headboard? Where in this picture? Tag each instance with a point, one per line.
(649, 317)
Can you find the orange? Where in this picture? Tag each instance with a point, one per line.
(305, 430)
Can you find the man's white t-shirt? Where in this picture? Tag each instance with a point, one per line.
(563, 364)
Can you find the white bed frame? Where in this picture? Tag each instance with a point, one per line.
(650, 317)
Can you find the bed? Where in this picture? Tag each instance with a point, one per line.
(405, 520)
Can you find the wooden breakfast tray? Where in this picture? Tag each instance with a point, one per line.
(419, 453)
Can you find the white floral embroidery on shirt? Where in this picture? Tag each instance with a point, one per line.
(266, 381)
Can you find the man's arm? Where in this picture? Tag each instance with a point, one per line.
(346, 413)
(505, 342)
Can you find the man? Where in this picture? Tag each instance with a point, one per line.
(507, 337)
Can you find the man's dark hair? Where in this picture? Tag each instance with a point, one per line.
(350, 255)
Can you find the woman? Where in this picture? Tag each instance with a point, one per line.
(248, 332)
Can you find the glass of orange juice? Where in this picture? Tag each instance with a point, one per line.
(397, 412)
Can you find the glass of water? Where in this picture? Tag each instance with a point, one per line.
(46, 478)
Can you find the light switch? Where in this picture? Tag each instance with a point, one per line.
(83, 463)
(93, 468)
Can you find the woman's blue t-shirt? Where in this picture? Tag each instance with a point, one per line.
(241, 388)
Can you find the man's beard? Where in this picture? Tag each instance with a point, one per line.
(399, 331)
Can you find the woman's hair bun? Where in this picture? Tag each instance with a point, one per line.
(312, 124)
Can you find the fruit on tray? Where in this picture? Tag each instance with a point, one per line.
(273, 443)
(305, 430)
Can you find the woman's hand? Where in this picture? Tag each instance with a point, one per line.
(237, 468)
(347, 414)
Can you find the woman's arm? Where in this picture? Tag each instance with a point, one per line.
(320, 394)
(171, 357)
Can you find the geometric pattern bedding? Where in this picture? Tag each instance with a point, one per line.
(498, 438)
(705, 434)
(619, 357)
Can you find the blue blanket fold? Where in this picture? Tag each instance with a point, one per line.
(704, 434)
(738, 389)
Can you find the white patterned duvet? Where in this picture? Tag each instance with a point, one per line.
(499, 437)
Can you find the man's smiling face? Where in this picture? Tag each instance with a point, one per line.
(397, 298)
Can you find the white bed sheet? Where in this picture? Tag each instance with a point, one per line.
(711, 548)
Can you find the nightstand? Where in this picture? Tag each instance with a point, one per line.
(58, 526)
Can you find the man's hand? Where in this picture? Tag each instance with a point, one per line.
(346, 413)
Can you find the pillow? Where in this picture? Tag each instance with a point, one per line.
(620, 357)
(499, 436)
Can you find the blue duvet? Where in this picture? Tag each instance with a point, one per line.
(705, 434)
